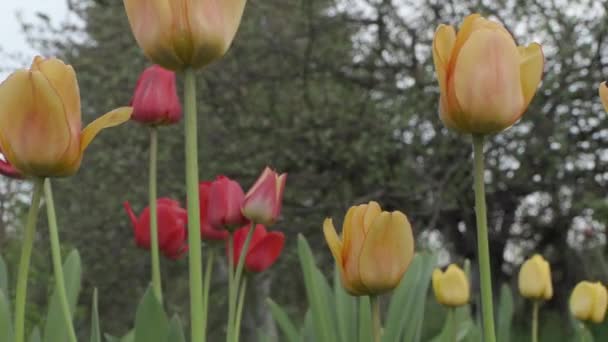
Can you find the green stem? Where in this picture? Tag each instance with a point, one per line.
(239, 309)
(57, 262)
(535, 306)
(482, 242)
(585, 333)
(154, 246)
(229, 327)
(24, 261)
(194, 230)
(376, 322)
(451, 324)
(232, 301)
(206, 286)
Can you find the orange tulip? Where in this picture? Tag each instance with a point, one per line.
(375, 250)
(40, 120)
(178, 34)
(486, 81)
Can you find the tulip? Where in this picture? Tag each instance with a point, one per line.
(208, 232)
(155, 101)
(375, 250)
(225, 200)
(535, 279)
(263, 201)
(588, 301)
(604, 95)
(486, 81)
(40, 120)
(178, 34)
(172, 219)
(9, 170)
(264, 247)
(451, 287)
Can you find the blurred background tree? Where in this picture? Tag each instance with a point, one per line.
(341, 94)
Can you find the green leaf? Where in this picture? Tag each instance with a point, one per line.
(318, 293)
(95, 329)
(282, 319)
(151, 323)
(176, 330)
(110, 338)
(129, 337)
(55, 328)
(505, 314)
(3, 276)
(35, 335)
(6, 326)
(365, 319)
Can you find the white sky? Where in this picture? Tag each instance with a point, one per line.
(12, 40)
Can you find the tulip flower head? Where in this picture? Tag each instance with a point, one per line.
(225, 201)
(535, 279)
(263, 201)
(486, 81)
(374, 251)
(264, 247)
(451, 287)
(208, 231)
(172, 235)
(155, 101)
(604, 95)
(179, 34)
(40, 120)
(588, 301)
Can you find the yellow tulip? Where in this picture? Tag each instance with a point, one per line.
(535, 279)
(40, 120)
(177, 34)
(451, 287)
(375, 249)
(486, 81)
(588, 301)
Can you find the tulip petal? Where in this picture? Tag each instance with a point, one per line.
(373, 210)
(487, 82)
(333, 241)
(387, 252)
(354, 236)
(548, 290)
(581, 300)
(603, 91)
(599, 305)
(443, 43)
(464, 32)
(265, 252)
(532, 64)
(111, 119)
(532, 279)
(454, 286)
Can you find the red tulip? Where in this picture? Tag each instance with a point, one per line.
(208, 232)
(172, 221)
(155, 101)
(263, 201)
(9, 170)
(225, 200)
(264, 248)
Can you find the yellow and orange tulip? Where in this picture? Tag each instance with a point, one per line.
(40, 120)
(177, 34)
(588, 301)
(375, 249)
(535, 279)
(486, 81)
(451, 287)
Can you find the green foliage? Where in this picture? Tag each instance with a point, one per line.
(151, 323)
(505, 314)
(95, 326)
(6, 327)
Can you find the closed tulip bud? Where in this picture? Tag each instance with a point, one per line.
(155, 101)
(604, 95)
(208, 232)
(588, 301)
(264, 247)
(178, 34)
(375, 249)
(451, 287)
(40, 120)
(486, 81)
(225, 201)
(172, 220)
(535, 279)
(263, 201)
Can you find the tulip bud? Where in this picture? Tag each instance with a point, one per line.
(208, 232)
(178, 34)
(225, 201)
(535, 279)
(588, 302)
(604, 95)
(40, 120)
(155, 101)
(486, 81)
(451, 287)
(263, 201)
(264, 247)
(172, 221)
(375, 250)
